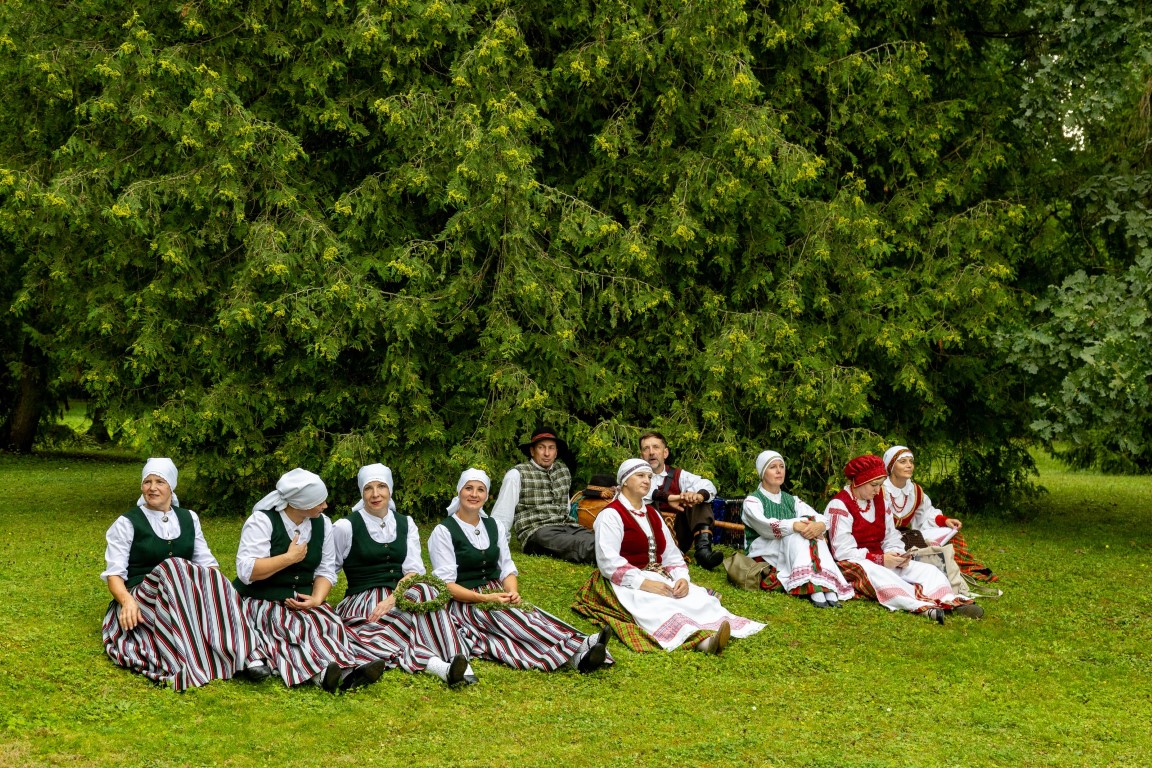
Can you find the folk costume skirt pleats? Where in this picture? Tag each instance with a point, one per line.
(522, 639)
(646, 622)
(405, 640)
(192, 627)
(916, 587)
(299, 644)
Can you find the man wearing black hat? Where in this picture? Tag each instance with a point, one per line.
(688, 495)
(533, 502)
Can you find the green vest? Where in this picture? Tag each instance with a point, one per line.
(543, 498)
(370, 564)
(785, 510)
(475, 567)
(149, 550)
(296, 578)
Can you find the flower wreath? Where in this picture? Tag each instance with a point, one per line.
(413, 606)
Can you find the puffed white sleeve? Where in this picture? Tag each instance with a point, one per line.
(507, 567)
(696, 484)
(893, 541)
(768, 527)
(413, 559)
(201, 554)
(119, 544)
(504, 510)
(441, 554)
(327, 567)
(255, 543)
(840, 537)
(342, 540)
(928, 516)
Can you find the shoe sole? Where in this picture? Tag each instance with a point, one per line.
(593, 659)
(723, 635)
(364, 675)
(457, 670)
(331, 680)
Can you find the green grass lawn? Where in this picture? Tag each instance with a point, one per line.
(1058, 672)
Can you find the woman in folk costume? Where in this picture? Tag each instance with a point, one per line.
(871, 554)
(642, 589)
(913, 510)
(376, 548)
(469, 551)
(783, 531)
(285, 567)
(175, 619)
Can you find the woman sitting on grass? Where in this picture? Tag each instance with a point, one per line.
(285, 567)
(175, 619)
(376, 548)
(871, 553)
(912, 510)
(642, 589)
(469, 551)
(783, 531)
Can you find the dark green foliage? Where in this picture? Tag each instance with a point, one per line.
(328, 233)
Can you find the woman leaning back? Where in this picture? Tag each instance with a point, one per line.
(642, 589)
(377, 548)
(175, 618)
(285, 567)
(912, 510)
(870, 552)
(469, 551)
(783, 531)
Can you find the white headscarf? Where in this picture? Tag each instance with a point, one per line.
(894, 453)
(764, 459)
(469, 474)
(379, 473)
(164, 469)
(299, 488)
(631, 467)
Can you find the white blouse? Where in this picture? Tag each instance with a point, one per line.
(256, 543)
(443, 554)
(770, 528)
(121, 534)
(609, 529)
(925, 515)
(383, 531)
(844, 545)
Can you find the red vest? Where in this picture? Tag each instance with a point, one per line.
(634, 546)
(868, 535)
(670, 487)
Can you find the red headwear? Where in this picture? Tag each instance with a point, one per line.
(864, 469)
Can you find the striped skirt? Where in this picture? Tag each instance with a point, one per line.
(299, 644)
(521, 639)
(970, 566)
(915, 588)
(191, 630)
(405, 640)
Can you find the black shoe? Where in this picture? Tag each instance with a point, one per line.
(256, 673)
(363, 675)
(593, 659)
(936, 614)
(705, 557)
(457, 670)
(330, 677)
(603, 636)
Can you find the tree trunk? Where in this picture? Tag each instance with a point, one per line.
(29, 402)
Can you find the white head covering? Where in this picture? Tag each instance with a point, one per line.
(469, 474)
(894, 453)
(764, 459)
(162, 468)
(631, 467)
(379, 473)
(299, 488)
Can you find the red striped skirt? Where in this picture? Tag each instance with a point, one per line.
(192, 628)
(406, 640)
(299, 644)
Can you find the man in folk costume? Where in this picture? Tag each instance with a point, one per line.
(533, 501)
(688, 495)
(913, 511)
(870, 552)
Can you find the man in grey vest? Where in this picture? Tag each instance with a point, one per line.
(533, 502)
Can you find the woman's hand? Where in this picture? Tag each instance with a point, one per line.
(658, 588)
(303, 602)
(953, 523)
(296, 551)
(680, 588)
(129, 613)
(382, 608)
(810, 529)
(894, 560)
